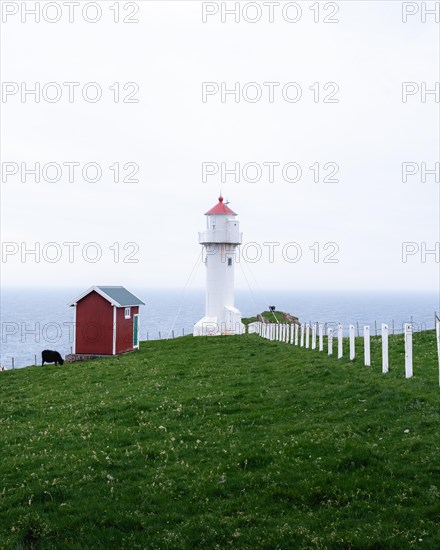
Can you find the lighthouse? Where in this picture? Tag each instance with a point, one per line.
(220, 241)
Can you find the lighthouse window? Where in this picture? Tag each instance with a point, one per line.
(127, 313)
(229, 261)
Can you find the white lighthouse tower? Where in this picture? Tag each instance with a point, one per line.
(220, 241)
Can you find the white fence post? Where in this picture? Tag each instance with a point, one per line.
(340, 336)
(314, 336)
(292, 332)
(367, 355)
(408, 350)
(330, 340)
(437, 333)
(302, 335)
(296, 333)
(321, 336)
(352, 348)
(287, 335)
(384, 348)
(307, 335)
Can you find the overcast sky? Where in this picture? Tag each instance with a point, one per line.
(363, 135)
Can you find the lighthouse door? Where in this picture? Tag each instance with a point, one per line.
(228, 321)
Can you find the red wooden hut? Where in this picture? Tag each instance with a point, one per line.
(106, 321)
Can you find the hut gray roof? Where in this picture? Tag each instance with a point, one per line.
(117, 295)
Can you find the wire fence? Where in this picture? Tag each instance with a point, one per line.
(18, 361)
(10, 362)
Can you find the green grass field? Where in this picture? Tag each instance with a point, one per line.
(226, 442)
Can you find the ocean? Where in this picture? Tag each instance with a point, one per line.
(36, 319)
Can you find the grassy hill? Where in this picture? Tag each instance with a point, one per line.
(271, 316)
(232, 442)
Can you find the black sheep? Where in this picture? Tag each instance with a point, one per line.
(49, 356)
